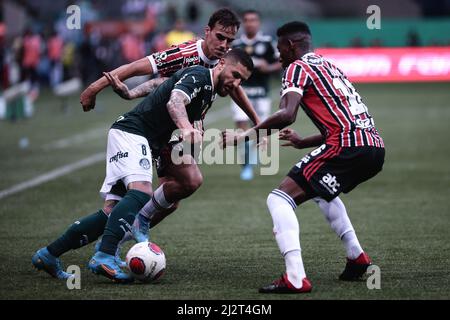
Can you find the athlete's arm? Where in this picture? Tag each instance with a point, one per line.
(140, 91)
(286, 114)
(177, 111)
(240, 97)
(136, 68)
(293, 139)
(284, 117)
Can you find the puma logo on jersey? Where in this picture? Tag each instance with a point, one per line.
(330, 182)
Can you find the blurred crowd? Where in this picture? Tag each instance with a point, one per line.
(50, 54)
(50, 57)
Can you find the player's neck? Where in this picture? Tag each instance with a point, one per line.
(206, 50)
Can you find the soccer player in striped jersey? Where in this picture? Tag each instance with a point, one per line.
(350, 151)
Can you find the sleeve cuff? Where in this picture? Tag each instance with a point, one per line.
(153, 64)
(292, 89)
(188, 97)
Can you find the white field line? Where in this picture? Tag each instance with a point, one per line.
(76, 139)
(53, 174)
(83, 163)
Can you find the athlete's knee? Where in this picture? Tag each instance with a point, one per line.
(142, 186)
(279, 198)
(109, 206)
(193, 182)
(174, 207)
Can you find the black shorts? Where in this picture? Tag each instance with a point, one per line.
(329, 170)
(164, 159)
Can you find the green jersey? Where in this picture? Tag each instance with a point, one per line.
(152, 120)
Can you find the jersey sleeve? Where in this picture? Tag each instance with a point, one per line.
(190, 84)
(295, 79)
(167, 62)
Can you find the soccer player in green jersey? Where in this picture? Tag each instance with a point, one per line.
(133, 140)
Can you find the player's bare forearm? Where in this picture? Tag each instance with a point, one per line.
(146, 88)
(308, 142)
(139, 67)
(311, 141)
(285, 116)
(136, 68)
(240, 97)
(177, 110)
(282, 118)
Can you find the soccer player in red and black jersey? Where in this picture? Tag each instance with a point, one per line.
(350, 151)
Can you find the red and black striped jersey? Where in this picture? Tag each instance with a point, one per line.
(331, 101)
(177, 57)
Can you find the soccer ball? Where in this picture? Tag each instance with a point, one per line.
(146, 261)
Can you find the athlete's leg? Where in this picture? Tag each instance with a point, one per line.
(281, 203)
(158, 216)
(336, 215)
(119, 222)
(181, 181)
(133, 169)
(79, 234)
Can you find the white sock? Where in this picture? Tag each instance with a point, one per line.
(287, 234)
(294, 268)
(157, 203)
(337, 217)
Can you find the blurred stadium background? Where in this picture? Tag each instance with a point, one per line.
(219, 245)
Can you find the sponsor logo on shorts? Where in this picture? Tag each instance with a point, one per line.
(304, 160)
(145, 163)
(330, 183)
(119, 155)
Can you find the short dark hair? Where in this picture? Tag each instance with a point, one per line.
(239, 55)
(292, 28)
(298, 32)
(251, 11)
(225, 17)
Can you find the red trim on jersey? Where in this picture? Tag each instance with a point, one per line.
(315, 165)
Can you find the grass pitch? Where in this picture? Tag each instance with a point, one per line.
(219, 244)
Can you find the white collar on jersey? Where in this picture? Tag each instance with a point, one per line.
(307, 54)
(202, 54)
(212, 79)
(248, 41)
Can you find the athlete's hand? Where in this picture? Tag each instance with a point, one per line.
(263, 143)
(191, 135)
(118, 86)
(231, 138)
(292, 138)
(87, 99)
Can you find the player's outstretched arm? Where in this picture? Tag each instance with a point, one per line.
(240, 97)
(140, 91)
(136, 68)
(176, 107)
(287, 114)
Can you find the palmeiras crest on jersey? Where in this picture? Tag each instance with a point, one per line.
(145, 163)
